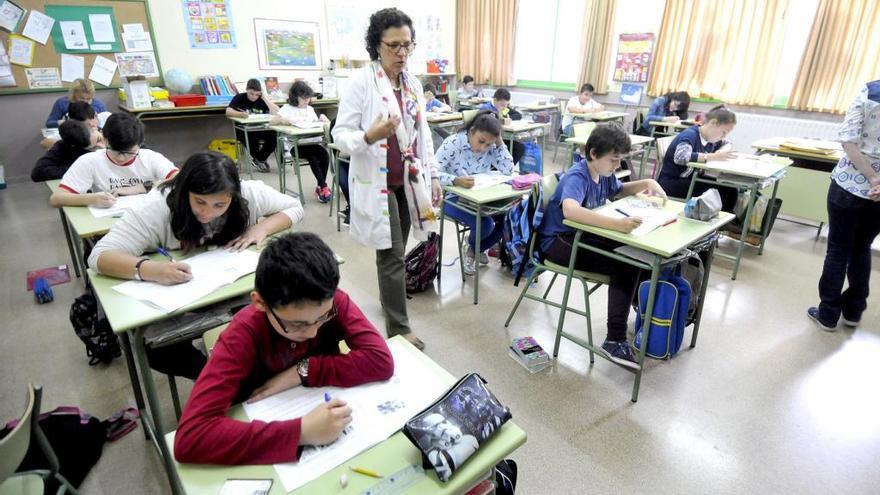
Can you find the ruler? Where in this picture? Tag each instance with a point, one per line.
(397, 482)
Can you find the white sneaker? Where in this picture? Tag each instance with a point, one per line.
(470, 263)
(850, 323)
(484, 258)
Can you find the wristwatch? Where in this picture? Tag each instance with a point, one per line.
(302, 369)
(137, 269)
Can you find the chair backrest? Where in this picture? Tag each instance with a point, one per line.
(662, 145)
(14, 446)
(211, 336)
(548, 186)
(583, 129)
(468, 115)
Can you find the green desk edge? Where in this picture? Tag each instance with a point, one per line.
(498, 192)
(387, 457)
(81, 219)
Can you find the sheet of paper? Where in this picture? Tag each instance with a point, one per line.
(489, 179)
(74, 35)
(21, 50)
(10, 15)
(210, 270)
(137, 64)
(102, 71)
(102, 28)
(137, 42)
(652, 216)
(103, 47)
(308, 125)
(123, 204)
(44, 77)
(38, 27)
(8, 80)
(132, 28)
(72, 67)
(378, 411)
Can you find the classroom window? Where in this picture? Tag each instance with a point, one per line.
(798, 23)
(548, 43)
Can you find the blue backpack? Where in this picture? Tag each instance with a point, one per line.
(531, 160)
(520, 224)
(672, 300)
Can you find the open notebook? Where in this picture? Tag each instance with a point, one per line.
(652, 216)
(122, 204)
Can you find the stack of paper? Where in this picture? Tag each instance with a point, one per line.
(123, 204)
(210, 271)
(308, 125)
(489, 179)
(378, 411)
(811, 146)
(652, 216)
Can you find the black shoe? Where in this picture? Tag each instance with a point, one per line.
(813, 313)
(621, 353)
(346, 215)
(261, 165)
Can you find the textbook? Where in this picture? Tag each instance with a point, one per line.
(529, 354)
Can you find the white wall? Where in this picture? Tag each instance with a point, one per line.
(241, 63)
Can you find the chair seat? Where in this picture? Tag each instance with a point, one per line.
(591, 276)
(620, 174)
(22, 484)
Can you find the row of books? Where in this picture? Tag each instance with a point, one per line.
(529, 354)
(218, 86)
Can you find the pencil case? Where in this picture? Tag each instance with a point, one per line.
(452, 429)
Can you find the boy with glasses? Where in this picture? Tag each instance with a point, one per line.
(97, 178)
(287, 337)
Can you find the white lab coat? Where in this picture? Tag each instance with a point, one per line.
(358, 109)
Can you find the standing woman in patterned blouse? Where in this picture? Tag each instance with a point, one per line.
(853, 215)
(475, 149)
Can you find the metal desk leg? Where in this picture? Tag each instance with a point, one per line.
(765, 225)
(646, 334)
(477, 246)
(70, 241)
(645, 150)
(702, 298)
(247, 152)
(440, 247)
(296, 168)
(135, 381)
(78, 251)
(154, 420)
(753, 196)
(279, 158)
(691, 186)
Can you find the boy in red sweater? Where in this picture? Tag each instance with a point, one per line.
(287, 337)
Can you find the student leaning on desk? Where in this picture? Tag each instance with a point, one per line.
(81, 90)
(124, 168)
(671, 107)
(287, 337)
(585, 186)
(580, 104)
(77, 139)
(204, 205)
(254, 101)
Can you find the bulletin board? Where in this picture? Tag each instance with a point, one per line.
(45, 56)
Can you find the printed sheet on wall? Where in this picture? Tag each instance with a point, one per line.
(209, 24)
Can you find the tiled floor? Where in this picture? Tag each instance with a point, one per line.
(766, 403)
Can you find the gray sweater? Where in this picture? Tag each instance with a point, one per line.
(145, 229)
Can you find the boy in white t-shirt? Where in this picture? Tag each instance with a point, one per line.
(297, 111)
(97, 178)
(580, 104)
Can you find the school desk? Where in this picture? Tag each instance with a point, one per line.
(154, 113)
(550, 108)
(752, 177)
(643, 144)
(805, 189)
(129, 318)
(387, 457)
(295, 136)
(437, 121)
(669, 128)
(79, 224)
(521, 130)
(247, 125)
(659, 246)
(485, 202)
(606, 116)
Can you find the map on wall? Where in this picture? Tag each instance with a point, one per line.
(633, 57)
(209, 24)
(287, 44)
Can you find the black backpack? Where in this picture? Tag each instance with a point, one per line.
(101, 343)
(422, 263)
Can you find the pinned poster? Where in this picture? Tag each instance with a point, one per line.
(72, 67)
(132, 28)
(103, 70)
(10, 15)
(38, 27)
(6, 77)
(102, 28)
(21, 50)
(137, 64)
(137, 42)
(42, 78)
(74, 34)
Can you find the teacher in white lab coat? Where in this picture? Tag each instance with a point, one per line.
(393, 176)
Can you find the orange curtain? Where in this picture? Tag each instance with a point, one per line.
(596, 52)
(841, 55)
(724, 49)
(485, 34)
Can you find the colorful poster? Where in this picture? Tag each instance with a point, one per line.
(137, 64)
(209, 24)
(287, 44)
(633, 57)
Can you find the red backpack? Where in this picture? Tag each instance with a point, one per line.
(421, 264)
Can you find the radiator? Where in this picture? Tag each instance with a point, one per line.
(752, 127)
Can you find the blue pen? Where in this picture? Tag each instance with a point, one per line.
(326, 397)
(618, 210)
(164, 252)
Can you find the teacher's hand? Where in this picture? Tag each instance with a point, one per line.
(437, 192)
(382, 128)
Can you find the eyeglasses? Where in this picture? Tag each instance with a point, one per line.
(299, 326)
(131, 154)
(396, 47)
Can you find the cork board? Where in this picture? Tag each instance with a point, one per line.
(124, 12)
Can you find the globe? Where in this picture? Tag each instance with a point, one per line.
(178, 81)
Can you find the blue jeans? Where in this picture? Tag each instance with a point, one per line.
(491, 228)
(853, 223)
(342, 174)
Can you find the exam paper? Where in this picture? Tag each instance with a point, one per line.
(378, 411)
(123, 203)
(489, 179)
(210, 271)
(652, 216)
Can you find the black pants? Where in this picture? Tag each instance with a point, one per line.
(853, 224)
(180, 359)
(261, 143)
(519, 150)
(624, 277)
(318, 159)
(343, 178)
(678, 188)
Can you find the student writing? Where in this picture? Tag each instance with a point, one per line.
(253, 101)
(475, 149)
(287, 337)
(670, 107)
(467, 90)
(432, 104)
(123, 168)
(580, 104)
(700, 143)
(500, 105)
(585, 186)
